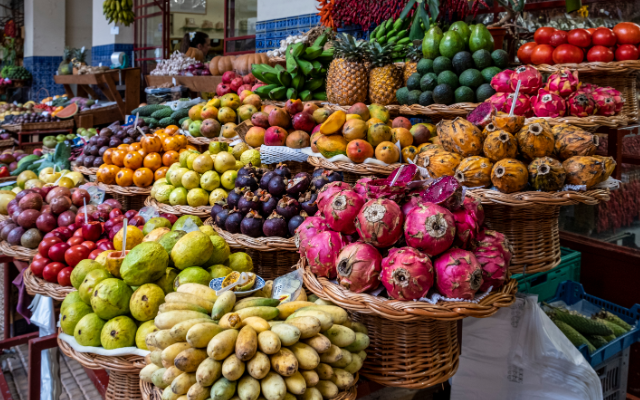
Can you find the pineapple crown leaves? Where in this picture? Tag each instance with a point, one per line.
(380, 55)
(346, 46)
(414, 51)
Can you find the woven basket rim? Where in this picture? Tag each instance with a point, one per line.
(125, 191)
(362, 169)
(267, 243)
(84, 170)
(592, 121)
(613, 67)
(534, 199)
(32, 126)
(453, 110)
(397, 310)
(120, 364)
(202, 211)
(8, 142)
(17, 252)
(35, 285)
(205, 141)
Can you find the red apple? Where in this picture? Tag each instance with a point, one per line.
(89, 245)
(303, 122)
(74, 227)
(100, 216)
(116, 212)
(104, 246)
(56, 252)
(78, 233)
(45, 245)
(53, 234)
(64, 276)
(94, 254)
(171, 217)
(75, 240)
(51, 271)
(102, 241)
(138, 221)
(130, 214)
(78, 197)
(75, 254)
(66, 232)
(116, 228)
(37, 266)
(92, 230)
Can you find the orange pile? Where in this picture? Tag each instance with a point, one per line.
(144, 162)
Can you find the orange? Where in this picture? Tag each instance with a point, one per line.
(123, 147)
(113, 169)
(190, 147)
(161, 135)
(170, 157)
(124, 178)
(104, 175)
(151, 144)
(182, 140)
(143, 177)
(161, 173)
(142, 152)
(170, 143)
(171, 130)
(153, 161)
(159, 132)
(133, 160)
(134, 146)
(106, 157)
(117, 157)
(182, 150)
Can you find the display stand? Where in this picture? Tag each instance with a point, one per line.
(194, 83)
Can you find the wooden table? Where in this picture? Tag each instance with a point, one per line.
(106, 82)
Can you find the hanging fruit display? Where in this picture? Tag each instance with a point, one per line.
(119, 11)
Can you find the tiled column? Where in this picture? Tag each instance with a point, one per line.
(105, 42)
(278, 19)
(44, 44)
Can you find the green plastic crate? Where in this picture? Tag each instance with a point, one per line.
(545, 284)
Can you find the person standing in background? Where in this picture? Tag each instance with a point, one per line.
(196, 45)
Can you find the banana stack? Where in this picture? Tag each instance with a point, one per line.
(118, 11)
(253, 348)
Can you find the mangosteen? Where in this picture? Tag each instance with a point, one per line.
(251, 225)
(247, 180)
(317, 171)
(144, 129)
(308, 202)
(288, 207)
(106, 132)
(102, 150)
(93, 140)
(299, 183)
(98, 162)
(249, 201)
(232, 224)
(335, 176)
(318, 181)
(266, 177)
(88, 161)
(221, 218)
(295, 222)
(283, 170)
(268, 204)
(275, 225)
(246, 170)
(127, 140)
(102, 141)
(277, 185)
(234, 196)
(121, 134)
(217, 207)
(80, 159)
(114, 142)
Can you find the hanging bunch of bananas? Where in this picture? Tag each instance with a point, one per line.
(118, 11)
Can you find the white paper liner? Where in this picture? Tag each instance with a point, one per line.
(278, 154)
(125, 351)
(177, 104)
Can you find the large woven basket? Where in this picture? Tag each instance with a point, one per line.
(39, 126)
(272, 256)
(131, 197)
(351, 171)
(435, 111)
(530, 222)
(202, 143)
(17, 252)
(35, 285)
(84, 170)
(413, 345)
(202, 212)
(124, 380)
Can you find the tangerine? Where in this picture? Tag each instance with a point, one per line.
(160, 173)
(134, 146)
(182, 140)
(170, 143)
(104, 175)
(159, 132)
(106, 157)
(161, 135)
(170, 157)
(171, 130)
(142, 152)
(190, 147)
(117, 157)
(123, 147)
(133, 160)
(151, 144)
(153, 161)
(143, 177)
(114, 170)
(124, 177)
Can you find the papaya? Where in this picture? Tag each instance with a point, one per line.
(332, 145)
(480, 39)
(431, 42)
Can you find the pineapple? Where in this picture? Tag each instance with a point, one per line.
(385, 77)
(348, 75)
(414, 54)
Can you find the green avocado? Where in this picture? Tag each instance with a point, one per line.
(472, 78)
(480, 39)
(431, 42)
(441, 64)
(426, 98)
(489, 73)
(483, 92)
(402, 94)
(425, 65)
(500, 58)
(482, 59)
(413, 83)
(443, 94)
(465, 94)
(462, 61)
(463, 30)
(428, 82)
(449, 78)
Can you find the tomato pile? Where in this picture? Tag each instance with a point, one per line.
(554, 46)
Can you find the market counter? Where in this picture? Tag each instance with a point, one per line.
(194, 83)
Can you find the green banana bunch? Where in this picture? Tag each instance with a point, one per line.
(119, 11)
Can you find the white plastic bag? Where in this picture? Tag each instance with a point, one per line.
(519, 353)
(42, 316)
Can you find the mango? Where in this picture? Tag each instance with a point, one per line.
(402, 135)
(380, 112)
(330, 146)
(388, 152)
(359, 150)
(334, 123)
(354, 129)
(361, 110)
(378, 133)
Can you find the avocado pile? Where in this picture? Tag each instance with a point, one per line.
(457, 67)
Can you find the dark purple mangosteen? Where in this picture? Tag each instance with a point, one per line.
(247, 180)
(232, 224)
(277, 185)
(251, 225)
(234, 196)
(246, 170)
(217, 207)
(335, 176)
(283, 170)
(288, 207)
(295, 222)
(248, 202)
(275, 225)
(221, 218)
(266, 177)
(318, 181)
(317, 171)
(299, 183)
(308, 203)
(268, 204)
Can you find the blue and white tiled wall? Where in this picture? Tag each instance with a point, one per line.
(43, 69)
(270, 33)
(102, 54)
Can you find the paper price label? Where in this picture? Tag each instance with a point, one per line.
(147, 213)
(190, 226)
(97, 195)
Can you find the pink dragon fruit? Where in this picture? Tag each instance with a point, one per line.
(523, 105)
(605, 103)
(411, 204)
(563, 83)
(322, 253)
(407, 273)
(581, 105)
(459, 274)
(615, 94)
(309, 228)
(379, 222)
(341, 209)
(547, 104)
(482, 115)
(498, 100)
(445, 191)
(391, 187)
(488, 238)
(468, 222)
(430, 228)
(501, 81)
(329, 190)
(359, 266)
(494, 267)
(361, 186)
(588, 87)
(529, 77)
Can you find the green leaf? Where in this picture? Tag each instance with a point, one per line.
(434, 9)
(416, 32)
(424, 17)
(407, 8)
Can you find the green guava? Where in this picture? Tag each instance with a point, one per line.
(181, 221)
(71, 298)
(81, 270)
(154, 223)
(145, 302)
(90, 281)
(71, 315)
(240, 262)
(88, 329)
(143, 330)
(192, 275)
(146, 263)
(166, 282)
(219, 271)
(118, 332)
(221, 251)
(111, 298)
(192, 250)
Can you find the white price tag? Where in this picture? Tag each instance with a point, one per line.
(147, 213)
(97, 195)
(189, 226)
(115, 30)
(82, 49)
(174, 81)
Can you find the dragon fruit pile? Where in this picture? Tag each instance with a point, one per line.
(409, 238)
(563, 95)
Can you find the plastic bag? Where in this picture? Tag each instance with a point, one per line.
(42, 316)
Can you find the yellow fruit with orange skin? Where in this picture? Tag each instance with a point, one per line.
(409, 153)
(509, 175)
(429, 147)
(195, 111)
(488, 129)
(546, 174)
(334, 123)
(499, 145)
(388, 152)
(403, 136)
(571, 143)
(332, 145)
(588, 171)
(510, 124)
(474, 172)
(314, 139)
(535, 140)
(460, 136)
(439, 162)
(359, 150)
(373, 121)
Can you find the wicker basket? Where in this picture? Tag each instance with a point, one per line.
(17, 252)
(131, 197)
(294, 166)
(202, 143)
(202, 212)
(530, 222)
(84, 170)
(124, 380)
(39, 126)
(35, 285)
(272, 256)
(351, 171)
(8, 143)
(435, 111)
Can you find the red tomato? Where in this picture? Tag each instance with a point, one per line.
(51, 271)
(604, 37)
(559, 37)
(567, 53)
(4, 171)
(89, 245)
(78, 233)
(43, 247)
(524, 52)
(75, 254)
(579, 37)
(591, 30)
(94, 254)
(627, 33)
(75, 240)
(627, 52)
(64, 276)
(543, 35)
(542, 54)
(600, 54)
(37, 266)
